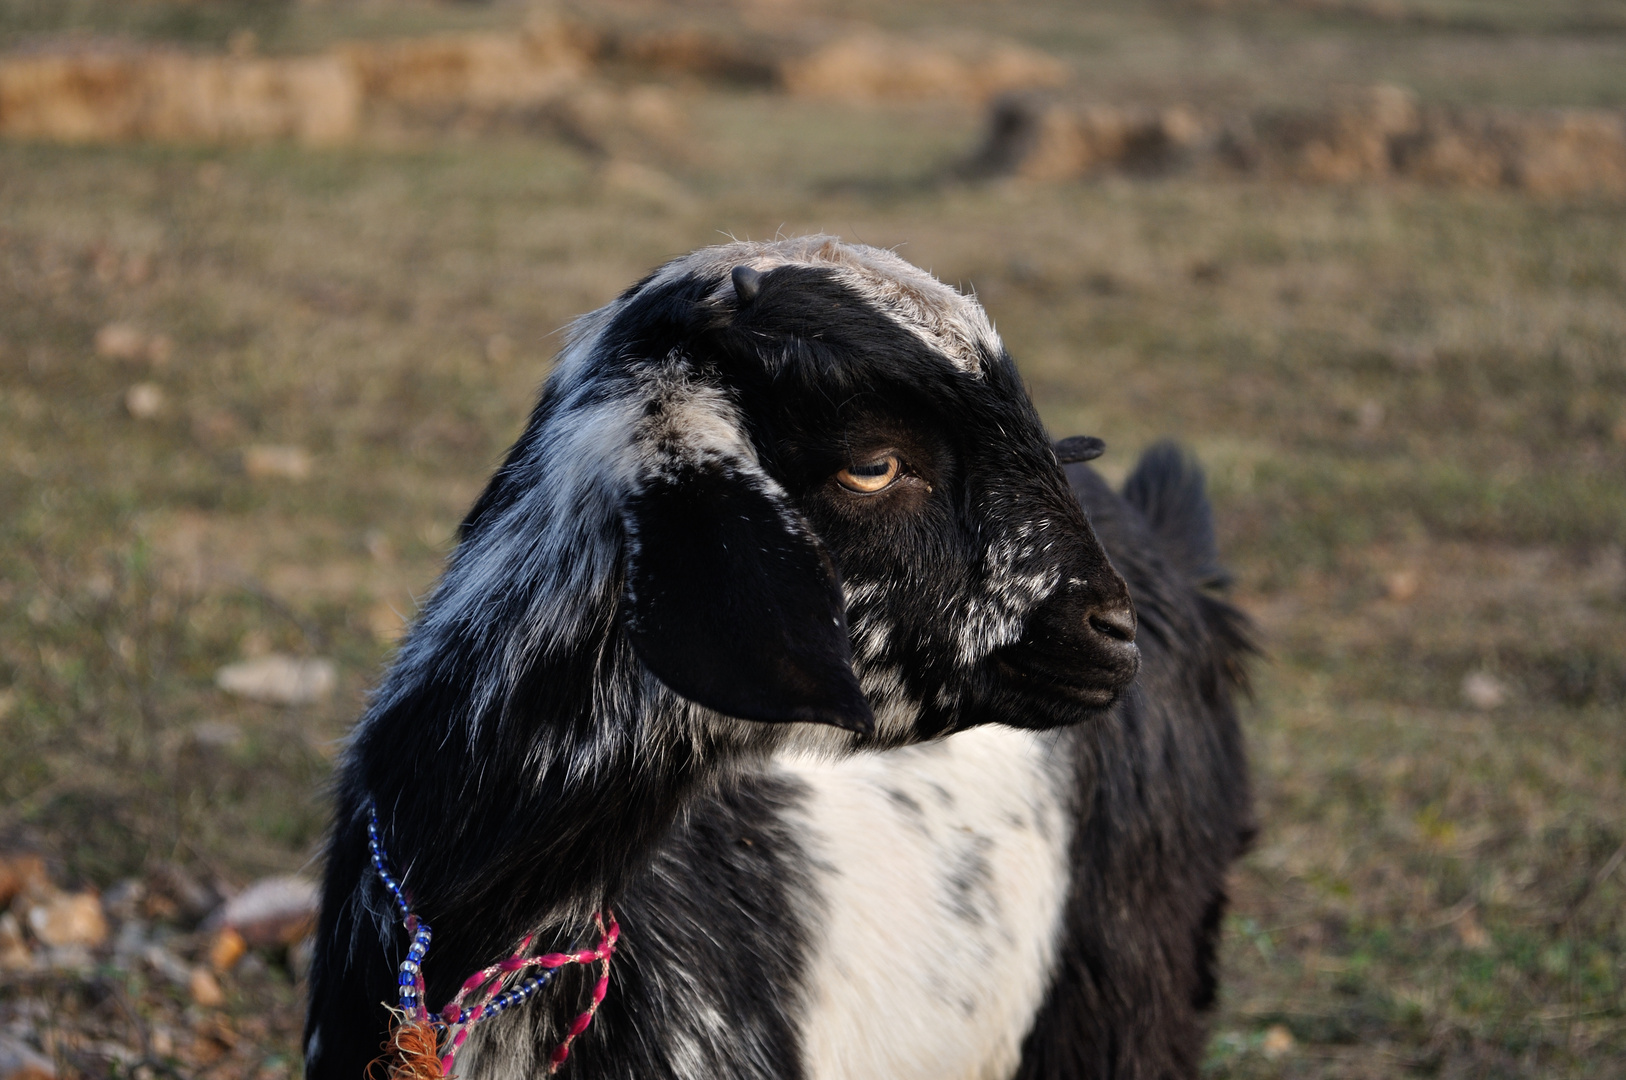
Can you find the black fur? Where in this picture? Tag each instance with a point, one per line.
(667, 547)
(1166, 801)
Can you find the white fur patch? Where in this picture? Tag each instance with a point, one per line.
(947, 321)
(942, 872)
(1011, 589)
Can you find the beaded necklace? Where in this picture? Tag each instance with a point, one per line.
(414, 1050)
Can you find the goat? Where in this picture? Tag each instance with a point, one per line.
(783, 632)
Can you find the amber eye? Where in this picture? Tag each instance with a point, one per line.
(871, 476)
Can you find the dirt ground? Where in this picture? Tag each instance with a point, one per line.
(246, 391)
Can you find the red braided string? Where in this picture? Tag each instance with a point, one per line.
(606, 949)
(486, 983)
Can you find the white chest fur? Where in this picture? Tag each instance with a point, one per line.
(942, 872)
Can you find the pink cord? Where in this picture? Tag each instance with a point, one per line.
(605, 950)
(486, 982)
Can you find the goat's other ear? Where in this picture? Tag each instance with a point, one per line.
(1078, 448)
(735, 606)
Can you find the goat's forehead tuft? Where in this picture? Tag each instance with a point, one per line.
(948, 321)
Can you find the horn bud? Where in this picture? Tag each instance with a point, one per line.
(747, 283)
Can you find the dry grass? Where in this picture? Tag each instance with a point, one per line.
(1412, 404)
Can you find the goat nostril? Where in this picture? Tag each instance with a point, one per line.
(1115, 623)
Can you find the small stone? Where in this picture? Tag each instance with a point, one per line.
(1400, 585)
(205, 989)
(69, 919)
(1483, 690)
(279, 679)
(226, 949)
(277, 463)
(121, 341)
(130, 942)
(144, 401)
(1278, 1041)
(272, 911)
(1472, 934)
(378, 546)
(19, 1061)
(167, 964)
(1369, 417)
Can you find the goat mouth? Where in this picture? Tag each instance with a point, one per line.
(1082, 684)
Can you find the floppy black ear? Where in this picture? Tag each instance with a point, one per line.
(734, 605)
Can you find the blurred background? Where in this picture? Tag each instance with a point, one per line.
(279, 280)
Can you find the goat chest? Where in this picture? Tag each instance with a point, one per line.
(885, 915)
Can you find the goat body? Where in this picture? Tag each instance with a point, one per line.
(782, 631)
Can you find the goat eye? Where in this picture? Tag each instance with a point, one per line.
(870, 477)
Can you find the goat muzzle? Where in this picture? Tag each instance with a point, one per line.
(1079, 645)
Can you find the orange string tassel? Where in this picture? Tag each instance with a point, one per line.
(411, 1053)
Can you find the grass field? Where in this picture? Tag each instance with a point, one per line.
(1412, 404)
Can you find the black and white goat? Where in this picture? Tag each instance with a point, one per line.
(782, 631)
